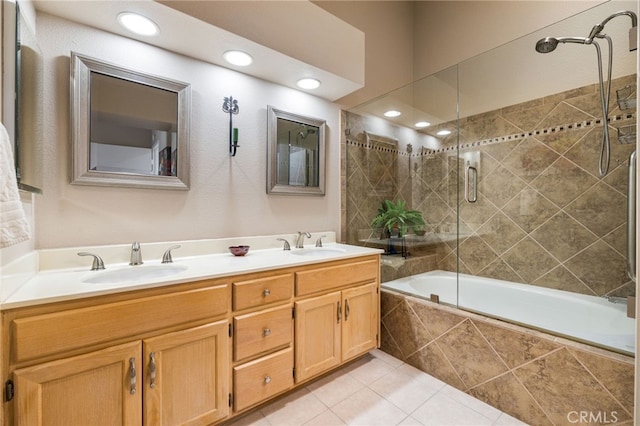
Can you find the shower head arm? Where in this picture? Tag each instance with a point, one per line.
(630, 14)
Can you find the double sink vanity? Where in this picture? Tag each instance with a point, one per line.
(196, 341)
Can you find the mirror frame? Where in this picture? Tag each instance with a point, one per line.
(81, 69)
(273, 187)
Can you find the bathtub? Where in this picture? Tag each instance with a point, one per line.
(585, 318)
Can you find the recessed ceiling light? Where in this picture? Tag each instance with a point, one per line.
(422, 124)
(392, 113)
(238, 57)
(138, 24)
(308, 83)
(444, 132)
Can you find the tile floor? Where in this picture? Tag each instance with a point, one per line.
(377, 390)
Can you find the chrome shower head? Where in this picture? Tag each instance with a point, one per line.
(549, 44)
(546, 45)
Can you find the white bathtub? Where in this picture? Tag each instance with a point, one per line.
(586, 318)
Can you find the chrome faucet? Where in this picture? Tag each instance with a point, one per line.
(98, 264)
(166, 257)
(136, 254)
(286, 244)
(300, 239)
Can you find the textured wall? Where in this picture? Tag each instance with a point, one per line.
(532, 376)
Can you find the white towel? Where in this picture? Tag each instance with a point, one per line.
(14, 227)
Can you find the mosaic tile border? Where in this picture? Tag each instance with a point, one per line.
(516, 136)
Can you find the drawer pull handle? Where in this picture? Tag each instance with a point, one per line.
(346, 309)
(339, 312)
(152, 369)
(132, 375)
(266, 292)
(267, 380)
(266, 332)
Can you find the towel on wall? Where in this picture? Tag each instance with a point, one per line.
(14, 227)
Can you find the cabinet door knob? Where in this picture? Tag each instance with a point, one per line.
(339, 312)
(152, 369)
(132, 375)
(346, 309)
(267, 380)
(266, 332)
(266, 292)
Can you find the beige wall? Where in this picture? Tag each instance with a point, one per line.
(388, 28)
(227, 196)
(409, 40)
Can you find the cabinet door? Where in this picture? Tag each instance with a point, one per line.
(360, 325)
(99, 388)
(317, 328)
(186, 380)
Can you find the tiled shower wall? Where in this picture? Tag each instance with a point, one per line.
(537, 378)
(543, 215)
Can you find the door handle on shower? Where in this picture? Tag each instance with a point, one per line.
(631, 218)
(471, 184)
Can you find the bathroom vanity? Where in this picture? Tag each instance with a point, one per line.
(194, 352)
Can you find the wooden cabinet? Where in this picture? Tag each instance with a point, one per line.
(186, 376)
(189, 354)
(334, 328)
(92, 389)
(262, 338)
(178, 378)
(360, 325)
(318, 337)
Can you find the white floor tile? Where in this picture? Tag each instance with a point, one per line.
(407, 392)
(328, 418)
(294, 410)
(442, 410)
(507, 420)
(481, 407)
(391, 360)
(367, 408)
(410, 421)
(369, 369)
(335, 387)
(254, 419)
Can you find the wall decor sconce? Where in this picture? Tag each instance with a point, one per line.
(231, 107)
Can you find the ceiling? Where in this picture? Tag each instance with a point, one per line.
(185, 26)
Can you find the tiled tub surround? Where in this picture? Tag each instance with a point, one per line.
(543, 215)
(537, 378)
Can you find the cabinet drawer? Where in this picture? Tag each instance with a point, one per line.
(262, 331)
(258, 292)
(320, 279)
(44, 335)
(258, 380)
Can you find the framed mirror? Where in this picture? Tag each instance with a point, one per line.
(295, 154)
(129, 128)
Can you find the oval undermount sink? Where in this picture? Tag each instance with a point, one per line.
(134, 273)
(317, 251)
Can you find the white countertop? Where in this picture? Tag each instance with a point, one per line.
(54, 285)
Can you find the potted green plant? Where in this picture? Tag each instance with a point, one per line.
(396, 218)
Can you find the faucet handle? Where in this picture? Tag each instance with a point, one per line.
(98, 264)
(286, 243)
(319, 241)
(166, 257)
